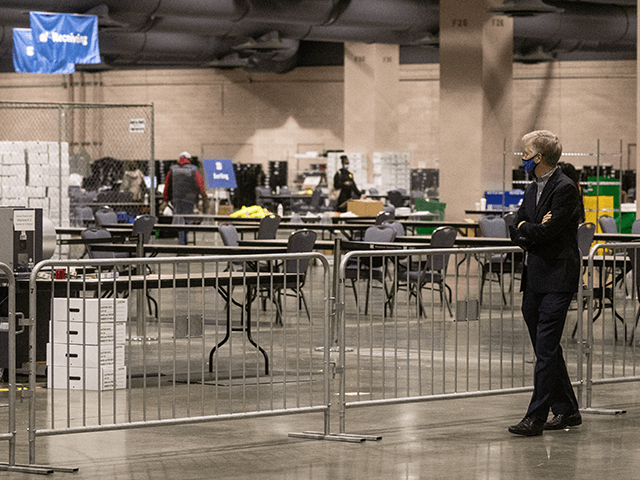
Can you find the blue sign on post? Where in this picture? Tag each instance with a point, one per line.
(219, 173)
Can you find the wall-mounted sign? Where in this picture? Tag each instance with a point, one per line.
(137, 125)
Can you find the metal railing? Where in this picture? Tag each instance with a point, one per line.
(426, 348)
(8, 326)
(613, 287)
(219, 339)
(140, 342)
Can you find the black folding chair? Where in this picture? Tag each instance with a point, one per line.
(300, 241)
(415, 275)
(370, 268)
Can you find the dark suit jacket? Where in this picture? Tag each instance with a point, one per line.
(553, 259)
(343, 181)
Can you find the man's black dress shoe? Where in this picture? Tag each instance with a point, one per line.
(559, 422)
(529, 427)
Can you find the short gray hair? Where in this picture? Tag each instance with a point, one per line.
(546, 143)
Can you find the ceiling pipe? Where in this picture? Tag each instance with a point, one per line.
(524, 8)
(120, 9)
(130, 48)
(336, 12)
(395, 14)
(579, 28)
(194, 33)
(307, 12)
(220, 13)
(603, 23)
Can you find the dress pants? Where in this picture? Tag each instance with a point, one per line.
(545, 316)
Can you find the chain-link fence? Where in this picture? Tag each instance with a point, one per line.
(71, 159)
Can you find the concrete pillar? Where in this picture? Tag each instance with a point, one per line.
(476, 75)
(370, 99)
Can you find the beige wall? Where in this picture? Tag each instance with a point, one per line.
(253, 118)
(262, 117)
(256, 117)
(582, 103)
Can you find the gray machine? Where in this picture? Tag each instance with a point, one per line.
(26, 238)
(21, 237)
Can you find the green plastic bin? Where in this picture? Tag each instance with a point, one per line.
(429, 205)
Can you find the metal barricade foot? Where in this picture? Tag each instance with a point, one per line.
(336, 437)
(603, 411)
(35, 469)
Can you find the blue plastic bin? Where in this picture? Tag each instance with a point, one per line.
(511, 197)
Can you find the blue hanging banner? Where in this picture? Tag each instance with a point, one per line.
(65, 37)
(25, 59)
(219, 173)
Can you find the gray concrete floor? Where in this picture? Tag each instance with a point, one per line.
(441, 439)
(454, 439)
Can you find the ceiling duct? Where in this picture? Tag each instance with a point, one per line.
(531, 57)
(524, 8)
(104, 19)
(580, 27)
(594, 22)
(232, 60)
(266, 43)
(137, 34)
(157, 49)
(267, 53)
(265, 35)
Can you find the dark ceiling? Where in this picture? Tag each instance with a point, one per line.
(279, 35)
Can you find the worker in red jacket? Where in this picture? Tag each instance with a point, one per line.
(182, 187)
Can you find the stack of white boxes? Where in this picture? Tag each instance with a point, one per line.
(80, 356)
(391, 170)
(36, 175)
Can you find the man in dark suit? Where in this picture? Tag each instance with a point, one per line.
(546, 228)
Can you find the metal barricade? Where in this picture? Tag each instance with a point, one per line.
(409, 344)
(612, 295)
(8, 330)
(141, 342)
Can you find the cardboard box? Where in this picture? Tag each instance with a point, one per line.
(225, 209)
(77, 335)
(85, 355)
(365, 208)
(93, 378)
(96, 309)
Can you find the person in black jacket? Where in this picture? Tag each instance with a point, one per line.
(546, 228)
(570, 171)
(343, 181)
